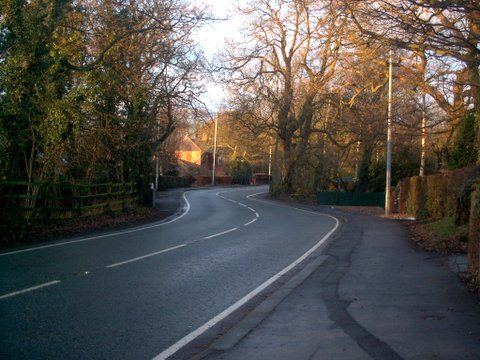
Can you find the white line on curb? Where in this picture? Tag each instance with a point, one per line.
(212, 322)
(146, 256)
(186, 209)
(29, 289)
(220, 233)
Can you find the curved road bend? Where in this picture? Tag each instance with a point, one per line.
(136, 293)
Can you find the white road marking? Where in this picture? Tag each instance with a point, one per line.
(185, 211)
(220, 233)
(261, 192)
(145, 256)
(250, 222)
(30, 289)
(283, 206)
(212, 322)
(241, 204)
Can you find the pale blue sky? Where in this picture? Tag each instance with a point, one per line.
(212, 39)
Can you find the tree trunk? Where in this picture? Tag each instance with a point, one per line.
(288, 167)
(474, 80)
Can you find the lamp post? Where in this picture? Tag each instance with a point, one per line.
(424, 137)
(214, 150)
(388, 177)
(269, 162)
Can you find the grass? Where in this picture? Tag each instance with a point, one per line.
(446, 228)
(441, 235)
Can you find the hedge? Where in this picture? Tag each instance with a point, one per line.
(170, 182)
(439, 195)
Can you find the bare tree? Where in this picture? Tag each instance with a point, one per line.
(444, 31)
(281, 73)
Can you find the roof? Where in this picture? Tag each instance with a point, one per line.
(188, 144)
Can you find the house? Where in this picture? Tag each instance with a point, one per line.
(221, 161)
(188, 151)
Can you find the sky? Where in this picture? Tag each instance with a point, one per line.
(211, 39)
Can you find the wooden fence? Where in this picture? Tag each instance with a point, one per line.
(23, 202)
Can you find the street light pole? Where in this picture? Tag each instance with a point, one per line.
(269, 162)
(388, 177)
(214, 150)
(424, 137)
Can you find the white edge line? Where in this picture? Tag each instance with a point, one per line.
(146, 256)
(29, 289)
(220, 233)
(242, 204)
(250, 222)
(212, 322)
(186, 209)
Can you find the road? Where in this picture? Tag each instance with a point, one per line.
(137, 293)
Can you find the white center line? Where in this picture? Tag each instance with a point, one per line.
(146, 256)
(250, 222)
(29, 289)
(221, 233)
(257, 215)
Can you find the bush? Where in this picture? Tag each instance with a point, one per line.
(240, 171)
(415, 201)
(464, 152)
(171, 182)
(405, 164)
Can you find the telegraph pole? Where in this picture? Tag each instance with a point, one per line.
(388, 177)
(214, 150)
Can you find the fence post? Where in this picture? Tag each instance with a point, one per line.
(79, 197)
(152, 187)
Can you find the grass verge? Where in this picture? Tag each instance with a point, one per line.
(442, 235)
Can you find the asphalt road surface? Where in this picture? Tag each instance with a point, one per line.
(137, 293)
